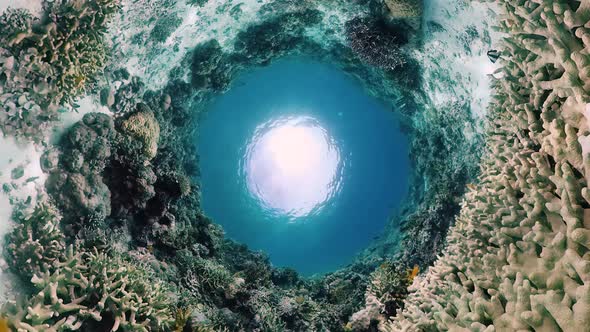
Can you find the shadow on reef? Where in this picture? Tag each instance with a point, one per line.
(125, 245)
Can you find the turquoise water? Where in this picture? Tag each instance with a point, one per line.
(296, 160)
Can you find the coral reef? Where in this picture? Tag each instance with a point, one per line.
(127, 246)
(48, 61)
(72, 288)
(36, 242)
(404, 8)
(143, 126)
(87, 290)
(376, 43)
(75, 182)
(385, 295)
(164, 27)
(517, 257)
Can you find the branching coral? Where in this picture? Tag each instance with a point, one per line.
(518, 257)
(86, 289)
(46, 63)
(385, 294)
(73, 288)
(36, 241)
(136, 172)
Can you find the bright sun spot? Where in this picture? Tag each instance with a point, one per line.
(292, 165)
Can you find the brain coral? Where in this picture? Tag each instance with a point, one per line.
(144, 126)
(518, 257)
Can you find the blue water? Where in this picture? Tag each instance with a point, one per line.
(297, 161)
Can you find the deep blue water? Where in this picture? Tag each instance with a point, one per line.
(296, 160)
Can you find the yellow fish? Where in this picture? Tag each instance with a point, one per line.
(413, 273)
(4, 325)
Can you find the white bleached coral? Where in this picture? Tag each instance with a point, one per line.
(518, 256)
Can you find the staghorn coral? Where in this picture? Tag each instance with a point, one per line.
(318, 305)
(384, 296)
(518, 256)
(47, 62)
(90, 289)
(36, 242)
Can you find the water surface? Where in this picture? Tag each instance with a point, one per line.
(297, 161)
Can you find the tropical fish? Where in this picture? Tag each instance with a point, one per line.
(4, 325)
(413, 273)
(493, 55)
